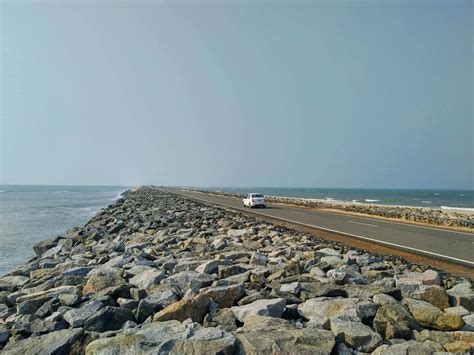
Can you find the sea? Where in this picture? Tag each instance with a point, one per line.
(441, 199)
(29, 214)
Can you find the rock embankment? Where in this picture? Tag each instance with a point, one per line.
(156, 273)
(410, 214)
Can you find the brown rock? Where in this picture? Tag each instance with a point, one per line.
(435, 295)
(195, 308)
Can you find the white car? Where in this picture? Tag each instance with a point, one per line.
(254, 200)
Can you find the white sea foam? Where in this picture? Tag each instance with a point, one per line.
(425, 201)
(457, 208)
(369, 200)
(437, 194)
(2, 191)
(462, 195)
(61, 192)
(355, 200)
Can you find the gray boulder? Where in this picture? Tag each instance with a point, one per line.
(44, 245)
(320, 310)
(147, 279)
(410, 347)
(171, 337)
(462, 295)
(62, 342)
(188, 280)
(268, 335)
(77, 316)
(264, 307)
(108, 318)
(352, 332)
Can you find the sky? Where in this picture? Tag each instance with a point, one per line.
(371, 94)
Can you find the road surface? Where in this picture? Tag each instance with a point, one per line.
(454, 246)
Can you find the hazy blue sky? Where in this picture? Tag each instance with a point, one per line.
(322, 94)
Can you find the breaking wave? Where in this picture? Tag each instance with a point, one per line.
(457, 208)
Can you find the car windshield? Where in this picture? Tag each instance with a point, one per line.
(257, 195)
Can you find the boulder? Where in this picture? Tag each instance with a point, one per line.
(147, 279)
(435, 295)
(62, 342)
(393, 321)
(367, 292)
(320, 310)
(459, 310)
(258, 259)
(100, 282)
(108, 318)
(4, 335)
(16, 281)
(264, 307)
(468, 323)
(462, 295)
(167, 337)
(208, 267)
(310, 290)
(410, 347)
(352, 332)
(225, 318)
(51, 293)
(27, 326)
(226, 296)
(188, 280)
(268, 335)
(431, 317)
(77, 316)
(293, 288)
(44, 245)
(31, 306)
(195, 308)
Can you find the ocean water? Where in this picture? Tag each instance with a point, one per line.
(29, 214)
(444, 199)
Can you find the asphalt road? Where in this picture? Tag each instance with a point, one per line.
(439, 243)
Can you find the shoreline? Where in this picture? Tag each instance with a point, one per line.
(425, 216)
(154, 266)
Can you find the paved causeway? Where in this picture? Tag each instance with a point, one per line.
(436, 242)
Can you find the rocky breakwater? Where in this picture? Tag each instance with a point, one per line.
(156, 273)
(411, 214)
